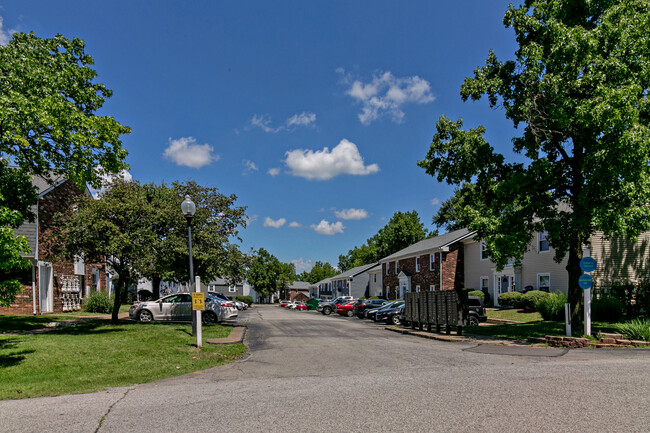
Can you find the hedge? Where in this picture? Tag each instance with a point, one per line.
(510, 299)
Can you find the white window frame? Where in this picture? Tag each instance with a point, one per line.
(432, 262)
(417, 289)
(396, 261)
(387, 268)
(432, 288)
(232, 289)
(539, 242)
(483, 248)
(375, 278)
(417, 264)
(544, 274)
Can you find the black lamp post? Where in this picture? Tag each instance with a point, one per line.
(189, 208)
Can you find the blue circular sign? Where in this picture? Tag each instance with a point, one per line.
(585, 281)
(588, 264)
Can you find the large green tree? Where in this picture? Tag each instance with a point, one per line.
(48, 126)
(578, 84)
(403, 229)
(318, 272)
(269, 275)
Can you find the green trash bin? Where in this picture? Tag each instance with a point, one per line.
(313, 303)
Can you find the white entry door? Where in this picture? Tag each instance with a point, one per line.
(45, 288)
(502, 284)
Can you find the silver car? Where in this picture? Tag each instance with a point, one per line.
(178, 307)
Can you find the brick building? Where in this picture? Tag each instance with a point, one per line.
(432, 264)
(52, 284)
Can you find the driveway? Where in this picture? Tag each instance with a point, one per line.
(309, 372)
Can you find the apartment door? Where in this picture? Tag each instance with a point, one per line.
(503, 283)
(45, 287)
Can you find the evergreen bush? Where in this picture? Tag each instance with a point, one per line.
(552, 306)
(510, 299)
(477, 293)
(245, 299)
(98, 302)
(530, 300)
(607, 309)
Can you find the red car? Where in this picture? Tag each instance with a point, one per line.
(284, 303)
(346, 309)
(301, 306)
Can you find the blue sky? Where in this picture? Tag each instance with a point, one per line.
(313, 113)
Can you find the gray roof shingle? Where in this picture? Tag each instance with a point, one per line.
(431, 244)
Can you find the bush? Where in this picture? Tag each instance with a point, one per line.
(552, 306)
(530, 300)
(607, 309)
(477, 293)
(638, 329)
(245, 299)
(510, 299)
(98, 302)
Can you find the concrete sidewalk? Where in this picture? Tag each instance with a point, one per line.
(236, 336)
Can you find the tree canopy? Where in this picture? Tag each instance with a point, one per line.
(48, 127)
(269, 275)
(578, 84)
(403, 229)
(140, 231)
(318, 272)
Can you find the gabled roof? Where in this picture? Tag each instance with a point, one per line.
(431, 244)
(300, 285)
(324, 281)
(376, 268)
(351, 273)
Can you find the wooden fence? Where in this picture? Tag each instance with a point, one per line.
(437, 309)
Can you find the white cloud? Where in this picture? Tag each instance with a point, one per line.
(249, 166)
(264, 122)
(327, 228)
(274, 171)
(5, 36)
(276, 224)
(186, 152)
(251, 219)
(302, 264)
(325, 164)
(295, 224)
(302, 119)
(351, 214)
(386, 94)
(435, 201)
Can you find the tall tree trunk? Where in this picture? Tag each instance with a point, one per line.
(575, 293)
(155, 286)
(117, 302)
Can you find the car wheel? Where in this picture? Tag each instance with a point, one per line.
(327, 311)
(349, 313)
(473, 321)
(145, 316)
(208, 317)
(395, 320)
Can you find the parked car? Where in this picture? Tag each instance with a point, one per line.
(178, 307)
(291, 305)
(391, 315)
(345, 309)
(284, 303)
(372, 313)
(367, 304)
(327, 307)
(301, 306)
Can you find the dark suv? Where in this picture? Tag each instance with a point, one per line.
(327, 307)
(476, 311)
(361, 306)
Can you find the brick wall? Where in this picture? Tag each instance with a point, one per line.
(452, 272)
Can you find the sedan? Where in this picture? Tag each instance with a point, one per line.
(301, 306)
(389, 315)
(178, 307)
(346, 309)
(371, 314)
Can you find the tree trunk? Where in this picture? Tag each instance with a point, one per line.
(155, 287)
(575, 293)
(117, 302)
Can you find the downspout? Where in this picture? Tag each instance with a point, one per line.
(440, 270)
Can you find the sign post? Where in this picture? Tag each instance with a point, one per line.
(198, 305)
(587, 264)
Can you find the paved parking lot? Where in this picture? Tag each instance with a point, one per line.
(309, 372)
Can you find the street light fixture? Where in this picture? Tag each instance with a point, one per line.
(189, 208)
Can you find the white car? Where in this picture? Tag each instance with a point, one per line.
(178, 307)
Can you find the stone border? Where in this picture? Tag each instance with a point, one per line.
(608, 340)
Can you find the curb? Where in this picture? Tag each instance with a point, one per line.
(236, 336)
(470, 338)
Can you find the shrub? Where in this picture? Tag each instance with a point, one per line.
(530, 300)
(607, 309)
(477, 293)
(637, 329)
(98, 302)
(552, 306)
(510, 299)
(245, 299)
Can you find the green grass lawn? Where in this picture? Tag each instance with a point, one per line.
(95, 355)
(511, 314)
(539, 328)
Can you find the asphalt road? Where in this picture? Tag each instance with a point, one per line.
(310, 373)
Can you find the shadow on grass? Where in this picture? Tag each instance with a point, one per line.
(8, 358)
